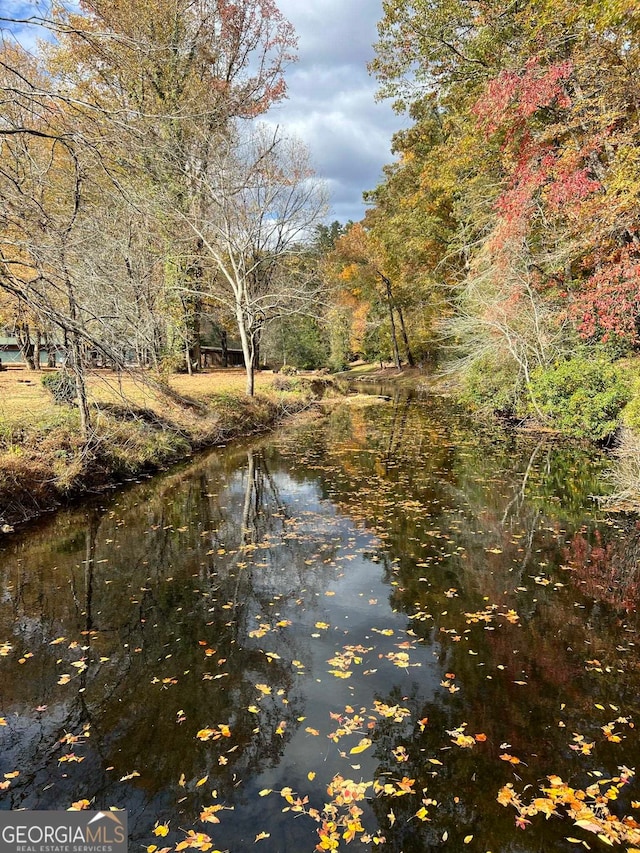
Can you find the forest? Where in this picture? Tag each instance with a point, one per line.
(395, 619)
(148, 209)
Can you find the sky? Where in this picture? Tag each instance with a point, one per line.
(331, 102)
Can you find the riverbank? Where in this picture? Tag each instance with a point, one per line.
(408, 378)
(138, 428)
(623, 443)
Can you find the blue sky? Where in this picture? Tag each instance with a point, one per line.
(331, 104)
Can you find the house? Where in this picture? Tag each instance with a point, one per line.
(217, 357)
(10, 352)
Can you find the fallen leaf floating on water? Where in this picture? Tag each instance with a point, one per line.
(512, 759)
(210, 813)
(222, 730)
(196, 841)
(365, 743)
(587, 808)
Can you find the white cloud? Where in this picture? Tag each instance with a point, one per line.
(331, 104)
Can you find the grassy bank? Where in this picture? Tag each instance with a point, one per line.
(138, 428)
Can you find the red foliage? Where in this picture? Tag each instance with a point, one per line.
(518, 95)
(608, 303)
(569, 187)
(606, 571)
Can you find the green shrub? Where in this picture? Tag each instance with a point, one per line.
(172, 363)
(492, 384)
(583, 397)
(61, 386)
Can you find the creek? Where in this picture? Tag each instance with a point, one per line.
(392, 592)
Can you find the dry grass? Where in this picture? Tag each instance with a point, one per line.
(137, 427)
(23, 400)
(22, 397)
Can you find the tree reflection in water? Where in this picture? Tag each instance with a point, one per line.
(458, 571)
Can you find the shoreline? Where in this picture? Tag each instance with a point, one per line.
(45, 467)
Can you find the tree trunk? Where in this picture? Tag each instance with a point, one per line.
(23, 336)
(81, 387)
(405, 338)
(256, 349)
(394, 337)
(37, 345)
(247, 349)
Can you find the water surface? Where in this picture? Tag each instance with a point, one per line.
(242, 623)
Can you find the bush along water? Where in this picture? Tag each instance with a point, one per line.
(582, 397)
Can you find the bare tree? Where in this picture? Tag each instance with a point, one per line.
(257, 204)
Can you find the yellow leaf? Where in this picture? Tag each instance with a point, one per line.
(262, 835)
(365, 743)
(202, 781)
(209, 814)
(311, 775)
(205, 734)
(161, 830)
(467, 839)
(264, 792)
(339, 673)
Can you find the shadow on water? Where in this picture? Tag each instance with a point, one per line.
(242, 623)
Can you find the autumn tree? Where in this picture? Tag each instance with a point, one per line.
(117, 114)
(257, 204)
(362, 272)
(520, 166)
(180, 72)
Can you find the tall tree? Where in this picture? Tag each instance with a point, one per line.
(521, 168)
(258, 203)
(180, 71)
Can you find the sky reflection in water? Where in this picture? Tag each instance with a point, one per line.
(459, 572)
